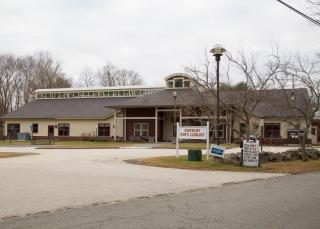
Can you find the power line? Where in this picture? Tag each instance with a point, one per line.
(300, 13)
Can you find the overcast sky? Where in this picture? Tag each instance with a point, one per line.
(152, 37)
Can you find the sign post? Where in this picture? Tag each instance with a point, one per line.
(208, 139)
(177, 140)
(192, 132)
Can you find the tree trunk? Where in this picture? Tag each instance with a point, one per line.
(303, 145)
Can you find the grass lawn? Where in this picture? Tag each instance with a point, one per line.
(190, 145)
(89, 144)
(291, 167)
(9, 154)
(7, 142)
(70, 144)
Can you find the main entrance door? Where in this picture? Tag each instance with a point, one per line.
(50, 132)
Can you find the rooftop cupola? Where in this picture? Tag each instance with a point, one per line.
(178, 80)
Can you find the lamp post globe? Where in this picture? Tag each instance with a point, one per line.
(217, 52)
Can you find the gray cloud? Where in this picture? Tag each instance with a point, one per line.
(152, 37)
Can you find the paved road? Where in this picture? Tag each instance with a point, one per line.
(291, 202)
(67, 178)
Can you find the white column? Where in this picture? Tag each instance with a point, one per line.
(115, 125)
(177, 141)
(125, 125)
(156, 126)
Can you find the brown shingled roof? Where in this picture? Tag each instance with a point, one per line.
(64, 108)
(271, 104)
(99, 108)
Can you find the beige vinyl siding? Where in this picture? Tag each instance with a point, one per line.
(284, 126)
(78, 128)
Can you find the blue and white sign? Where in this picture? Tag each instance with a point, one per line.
(217, 151)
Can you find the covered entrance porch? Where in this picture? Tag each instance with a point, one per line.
(157, 124)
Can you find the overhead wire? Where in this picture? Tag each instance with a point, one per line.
(314, 21)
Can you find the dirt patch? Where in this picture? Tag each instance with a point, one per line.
(10, 154)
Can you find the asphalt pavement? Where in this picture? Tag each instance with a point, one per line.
(282, 202)
(60, 178)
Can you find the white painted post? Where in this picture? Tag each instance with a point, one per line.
(124, 121)
(156, 126)
(208, 139)
(177, 140)
(115, 125)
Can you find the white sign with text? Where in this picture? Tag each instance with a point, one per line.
(251, 152)
(192, 132)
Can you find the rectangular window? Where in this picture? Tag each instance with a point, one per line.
(272, 130)
(35, 127)
(313, 131)
(13, 130)
(178, 83)
(170, 84)
(103, 129)
(63, 129)
(141, 129)
(186, 83)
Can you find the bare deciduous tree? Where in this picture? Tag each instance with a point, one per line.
(7, 82)
(242, 98)
(88, 78)
(257, 78)
(302, 72)
(20, 76)
(110, 75)
(107, 75)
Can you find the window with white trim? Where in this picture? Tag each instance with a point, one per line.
(141, 129)
(63, 129)
(178, 83)
(103, 129)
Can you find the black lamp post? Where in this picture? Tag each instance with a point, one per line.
(174, 94)
(217, 52)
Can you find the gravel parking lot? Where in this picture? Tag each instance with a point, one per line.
(58, 178)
